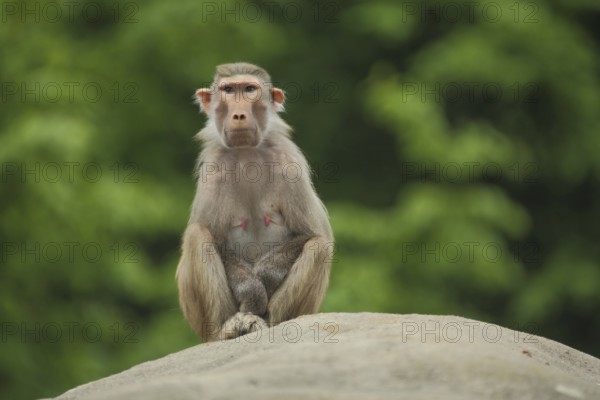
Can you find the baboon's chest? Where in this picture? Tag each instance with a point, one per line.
(254, 232)
(256, 223)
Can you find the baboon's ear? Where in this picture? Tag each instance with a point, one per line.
(278, 97)
(203, 97)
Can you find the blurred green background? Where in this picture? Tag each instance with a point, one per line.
(455, 145)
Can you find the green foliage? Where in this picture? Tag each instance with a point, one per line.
(457, 156)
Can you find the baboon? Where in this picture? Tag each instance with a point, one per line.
(258, 246)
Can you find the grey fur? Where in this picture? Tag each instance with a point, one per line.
(258, 240)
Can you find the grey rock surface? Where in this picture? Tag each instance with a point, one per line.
(363, 356)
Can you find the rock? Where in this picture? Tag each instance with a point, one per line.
(363, 356)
